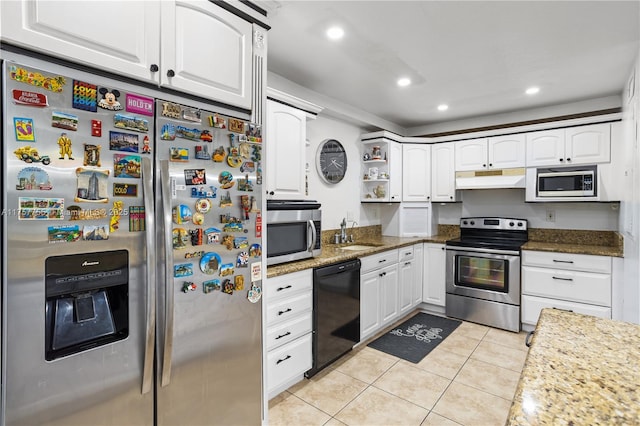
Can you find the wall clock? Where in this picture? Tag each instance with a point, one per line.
(331, 161)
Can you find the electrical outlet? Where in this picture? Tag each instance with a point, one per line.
(551, 216)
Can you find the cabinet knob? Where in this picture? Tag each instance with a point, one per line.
(154, 68)
(428, 198)
(484, 165)
(568, 159)
(561, 160)
(451, 197)
(271, 192)
(490, 164)
(171, 73)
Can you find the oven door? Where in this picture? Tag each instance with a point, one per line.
(484, 274)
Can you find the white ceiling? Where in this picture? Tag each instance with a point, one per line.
(478, 57)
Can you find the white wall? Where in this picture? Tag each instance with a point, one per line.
(510, 203)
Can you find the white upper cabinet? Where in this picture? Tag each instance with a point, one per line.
(416, 172)
(206, 51)
(500, 152)
(382, 171)
(192, 46)
(443, 177)
(574, 145)
(285, 152)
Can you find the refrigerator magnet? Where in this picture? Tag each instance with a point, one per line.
(210, 263)
(96, 128)
(125, 189)
(197, 237)
(146, 145)
(171, 110)
(240, 243)
(202, 152)
(211, 285)
(139, 104)
(137, 218)
(217, 121)
(200, 192)
(92, 185)
(255, 250)
(254, 294)
(64, 144)
(233, 227)
(31, 208)
(109, 99)
(63, 120)
(227, 241)
(243, 260)
(116, 212)
(191, 114)
(54, 84)
(227, 286)
(254, 133)
(195, 176)
(244, 184)
(188, 286)
(236, 126)
(179, 154)
(181, 214)
(193, 255)
(198, 218)
(233, 159)
(26, 98)
(24, 129)
(256, 153)
(238, 282)
(91, 155)
(85, 96)
(226, 180)
(187, 133)
(131, 122)
(33, 178)
(213, 235)
(248, 166)
(179, 238)
(206, 136)
(126, 166)
(225, 200)
(182, 270)
(95, 232)
(219, 154)
(227, 269)
(203, 205)
(168, 132)
(119, 141)
(64, 234)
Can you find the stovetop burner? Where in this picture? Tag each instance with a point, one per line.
(494, 233)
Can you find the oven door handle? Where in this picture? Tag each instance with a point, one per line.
(312, 240)
(482, 250)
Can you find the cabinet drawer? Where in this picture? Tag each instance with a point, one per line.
(379, 260)
(576, 286)
(285, 332)
(289, 307)
(288, 361)
(405, 253)
(532, 305)
(575, 262)
(284, 285)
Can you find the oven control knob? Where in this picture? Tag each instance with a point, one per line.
(519, 223)
(472, 222)
(464, 222)
(511, 224)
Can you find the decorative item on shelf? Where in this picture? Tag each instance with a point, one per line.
(376, 154)
(379, 191)
(383, 175)
(366, 157)
(365, 177)
(373, 173)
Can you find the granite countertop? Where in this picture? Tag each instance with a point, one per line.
(601, 243)
(581, 370)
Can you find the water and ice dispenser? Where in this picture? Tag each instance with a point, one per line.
(87, 301)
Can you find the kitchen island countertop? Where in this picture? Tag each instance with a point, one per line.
(581, 370)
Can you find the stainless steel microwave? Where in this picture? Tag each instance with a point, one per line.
(560, 182)
(293, 230)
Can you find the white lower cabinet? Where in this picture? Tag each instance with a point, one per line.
(575, 282)
(406, 278)
(289, 312)
(379, 292)
(433, 274)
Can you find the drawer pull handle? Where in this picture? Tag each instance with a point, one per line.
(283, 288)
(407, 253)
(284, 312)
(563, 261)
(563, 279)
(527, 341)
(283, 359)
(565, 310)
(382, 274)
(283, 335)
(381, 261)
(407, 263)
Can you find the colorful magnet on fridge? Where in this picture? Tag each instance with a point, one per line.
(225, 200)
(55, 84)
(109, 99)
(211, 285)
(202, 152)
(139, 104)
(248, 166)
(125, 189)
(64, 234)
(146, 145)
(179, 154)
(217, 121)
(213, 235)
(171, 110)
(256, 153)
(240, 243)
(91, 155)
(198, 219)
(227, 241)
(96, 128)
(32, 208)
(126, 166)
(130, 122)
(244, 150)
(187, 133)
(246, 205)
(203, 205)
(233, 159)
(226, 269)
(236, 126)
(195, 176)
(255, 250)
(233, 227)
(24, 129)
(210, 263)
(182, 270)
(206, 136)
(188, 286)
(168, 132)
(227, 286)
(33, 178)
(179, 238)
(85, 96)
(92, 185)
(219, 154)
(137, 219)
(181, 214)
(63, 120)
(258, 224)
(126, 142)
(26, 98)
(197, 236)
(254, 132)
(243, 260)
(238, 282)
(200, 192)
(31, 155)
(65, 147)
(116, 212)
(191, 114)
(193, 255)
(258, 173)
(244, 184)
(254, 294)
(95, 232)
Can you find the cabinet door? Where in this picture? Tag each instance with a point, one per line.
(416, 172)
(395, 172)
(369, 304)
(418, 261)
(443, 176)
(118, 36)
(389, 303)
(206, 51)
(471, 155)
(433, 275)
(507, 152)
(405, 282)
(285, 152)
(545, 148)
(588, 144)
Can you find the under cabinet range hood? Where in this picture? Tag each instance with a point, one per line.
(491, 179)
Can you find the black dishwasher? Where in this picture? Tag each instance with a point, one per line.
(336, 312)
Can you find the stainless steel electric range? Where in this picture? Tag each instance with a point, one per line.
(483, 271)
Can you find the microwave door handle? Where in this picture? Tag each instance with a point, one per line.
(312, 240)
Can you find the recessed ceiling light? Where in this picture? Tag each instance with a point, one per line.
(335, 33)
(443, 107)
(532, 90)
(403, 82)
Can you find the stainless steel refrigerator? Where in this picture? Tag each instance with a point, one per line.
(132, 253)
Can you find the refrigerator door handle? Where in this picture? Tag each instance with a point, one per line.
(147, 184)
(165, 182)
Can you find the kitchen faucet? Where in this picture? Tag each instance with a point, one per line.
(343, 230)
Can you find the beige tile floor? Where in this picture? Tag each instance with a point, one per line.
(469, 379)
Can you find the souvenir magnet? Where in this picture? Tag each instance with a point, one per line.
(168, 132)
(202, 152)
(206, 136)
(219, 154)
(217, 121)
(233, 159)
(255, 250)
(248, 166)
(54, 84)
(116, 212)
(254, 205)
(236, 126)
(32, 178)
(186, 133)
(92, 185)
(126, 166)
(211, 285)
(232, 227)
(171, 110)
(179, 238)
(85, 96)
(30, 155)
(95, 232)
(258, 174)
(137, 218)
(203, 205)
(65, 147)
(244, 184)
(197, 236)
(254, 294)
(131, 122)
(181, 214)
(183, 270)
(62, 120)
(77, 213)
(96, 128)
(226, 269)
(244, 202)
(240, 243)
(191, 114)
(195, 176)
(91, 155)
(32, 208)
(193, 255)
(146, 146)
(109, 99)
(225, 200)
(126, 142)
(227, 286)
(256, 271)
(226, 180)
(258, 225)
(238, 282)
(227, 241)
(24, 129)
(210, 263)
(188, 286)
(139, 104)
(227, 218)
(254, 133)
(22, 97)
(243, 260)
(200, 192)
(198, 219)
(256, 153)
(213, 235)
(64, 234)
(179, 154)
(244, 150)
(125, 189)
